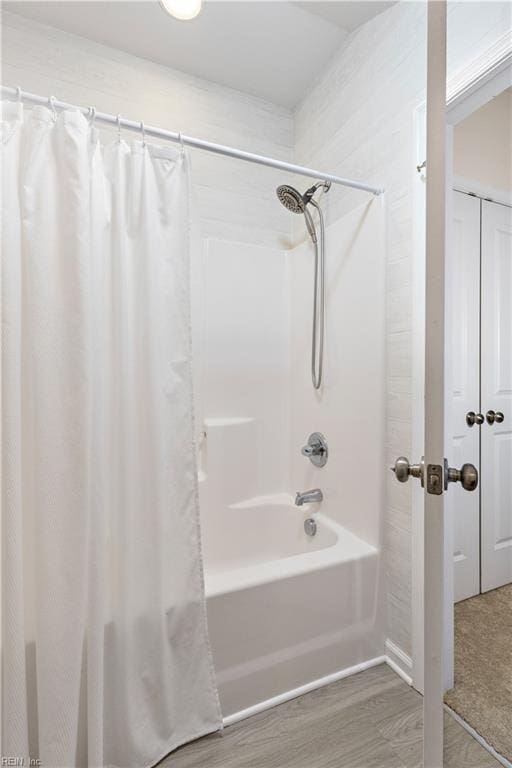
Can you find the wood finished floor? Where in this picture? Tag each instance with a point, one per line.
(370, 720)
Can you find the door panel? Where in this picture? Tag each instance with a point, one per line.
(463, 373)
(496, 467)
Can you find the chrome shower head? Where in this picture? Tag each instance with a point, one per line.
(294, 201)
(291, 198)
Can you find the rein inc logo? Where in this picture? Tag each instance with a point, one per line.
(13, 761)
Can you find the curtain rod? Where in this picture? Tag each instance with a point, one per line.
(190, 141)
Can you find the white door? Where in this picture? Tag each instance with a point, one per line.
(496, 448)
(432, 471)
(463, 375)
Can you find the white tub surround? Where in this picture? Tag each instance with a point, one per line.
(241, 342)
(287, 611)
(349, 408)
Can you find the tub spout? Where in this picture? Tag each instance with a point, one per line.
(308, 496)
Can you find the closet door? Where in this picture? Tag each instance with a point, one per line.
(463, 378)
(496, 466)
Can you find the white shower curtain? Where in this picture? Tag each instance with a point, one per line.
(106, 660)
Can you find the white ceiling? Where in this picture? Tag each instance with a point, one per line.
(346, 14)
(271, 49)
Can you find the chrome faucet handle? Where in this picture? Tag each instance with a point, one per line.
(316, 449)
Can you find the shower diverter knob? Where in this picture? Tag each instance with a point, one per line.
(316, 449)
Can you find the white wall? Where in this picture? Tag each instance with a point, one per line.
(255, 401)
(234, 203)
(482, 144)
(359, 121)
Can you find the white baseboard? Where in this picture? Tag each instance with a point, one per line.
(295, 692)
(477, 737)
(399, 661)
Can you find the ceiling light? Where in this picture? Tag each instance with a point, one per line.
(184, 10)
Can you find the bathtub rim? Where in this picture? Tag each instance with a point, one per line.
(250, 576)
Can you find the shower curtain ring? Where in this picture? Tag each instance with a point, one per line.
(143, 131)
(91, 114)
(180, 137)
(18, 93)
(118, 121)
(51, 104)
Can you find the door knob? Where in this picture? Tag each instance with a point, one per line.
(494, 416)
(474, 418)
(467, 476)
(403, 470)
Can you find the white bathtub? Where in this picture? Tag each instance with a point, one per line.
(285, 610)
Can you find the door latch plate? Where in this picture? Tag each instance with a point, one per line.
(435, 479)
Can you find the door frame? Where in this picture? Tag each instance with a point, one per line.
(469, 187)
(485, 77)
(433, 473)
